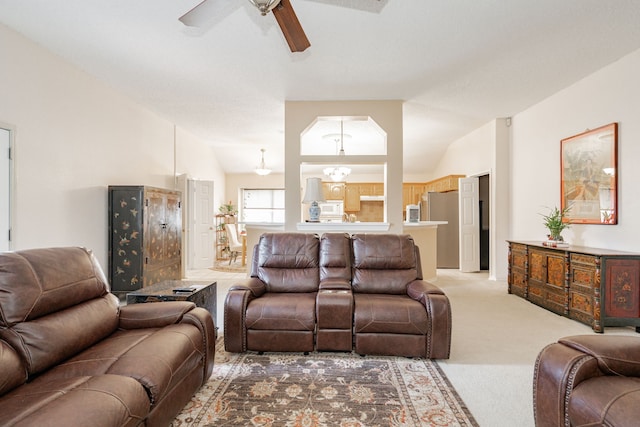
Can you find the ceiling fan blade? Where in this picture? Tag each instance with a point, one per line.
(290, 26)
(207, 11)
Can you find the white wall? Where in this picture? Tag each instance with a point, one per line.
(75, 136)
(470, 155)
(609, 95)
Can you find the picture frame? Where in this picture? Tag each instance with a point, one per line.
(589, 176)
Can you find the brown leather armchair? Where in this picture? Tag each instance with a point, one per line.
(274, 310)
(588, 380)
(396, 312)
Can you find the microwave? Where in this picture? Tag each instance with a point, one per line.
(332, 209)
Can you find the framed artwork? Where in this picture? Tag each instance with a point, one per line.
(589, 171)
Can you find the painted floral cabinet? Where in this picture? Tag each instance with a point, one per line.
(145, 236)
(598, 287)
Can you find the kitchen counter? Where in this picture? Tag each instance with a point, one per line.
(424, 234)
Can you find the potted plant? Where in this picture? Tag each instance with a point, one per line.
(227, 208)
(556, 221)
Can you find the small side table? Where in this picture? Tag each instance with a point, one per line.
(204, 294)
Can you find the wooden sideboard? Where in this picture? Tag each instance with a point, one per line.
(598, 287)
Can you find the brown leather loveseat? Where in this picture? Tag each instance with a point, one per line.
(588, 380)
(337, 293)
(71, 356)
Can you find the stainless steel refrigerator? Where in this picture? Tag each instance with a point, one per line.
(443, 207)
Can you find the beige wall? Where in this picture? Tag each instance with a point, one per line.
(299, 115)
(73, 137)
(609, 95)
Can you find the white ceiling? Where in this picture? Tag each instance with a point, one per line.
(457, 64)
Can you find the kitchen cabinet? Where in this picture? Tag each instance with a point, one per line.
(333, 190)
(443, 184)
(597, 287)
(145, 236)
(352, 198)
(412, 193)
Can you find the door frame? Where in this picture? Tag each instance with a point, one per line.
(11, 196)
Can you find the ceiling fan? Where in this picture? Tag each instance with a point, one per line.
(297, 40)
(281, 9)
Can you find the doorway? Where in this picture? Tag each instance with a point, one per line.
(6, 172)
(475, 219)
(485, 220)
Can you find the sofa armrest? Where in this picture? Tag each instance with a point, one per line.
(420, 289)
(256, 286)
(153, 314)
(438, 309)
(616, 355)
(335, 284)
(558, 369)
(12, 371)
(202, 319)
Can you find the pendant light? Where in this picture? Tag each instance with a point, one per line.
(338, 173)
(262, 169)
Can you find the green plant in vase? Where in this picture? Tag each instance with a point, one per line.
(556, 221)
(228, 208)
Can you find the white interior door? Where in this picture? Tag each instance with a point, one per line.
(469, 199)
(203, 236)
(5, 190)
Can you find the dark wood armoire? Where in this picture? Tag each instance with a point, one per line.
(145, 228)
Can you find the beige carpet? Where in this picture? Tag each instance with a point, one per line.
(324, 389)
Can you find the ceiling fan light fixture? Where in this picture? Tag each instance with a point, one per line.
(264, 6)
(262, 170)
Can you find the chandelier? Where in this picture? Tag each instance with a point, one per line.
(265, 5)
(338, 173)
(262, 169)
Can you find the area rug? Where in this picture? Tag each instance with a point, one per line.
(324, 389)
(234, 267)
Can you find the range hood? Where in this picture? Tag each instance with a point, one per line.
(372, 198)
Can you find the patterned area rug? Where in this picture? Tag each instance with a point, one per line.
(324, 389)
(234, 267)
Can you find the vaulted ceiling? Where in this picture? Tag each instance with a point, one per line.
(456, 64)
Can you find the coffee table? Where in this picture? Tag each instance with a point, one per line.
(203, 295)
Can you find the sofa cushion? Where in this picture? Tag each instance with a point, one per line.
(105, 400)
(157, 358)
(606, 401)
(335, 258)
(383, 263)
(282, 311)
(397, 314)
(35, 282)
(54, 303)
(288, 262)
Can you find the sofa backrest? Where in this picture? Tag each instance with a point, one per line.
(335, 257)
(54, 303)
(288, 262)
(383, 263)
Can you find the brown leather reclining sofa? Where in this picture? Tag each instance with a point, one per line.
(588, 380)
(338, 293)
(70, 356)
